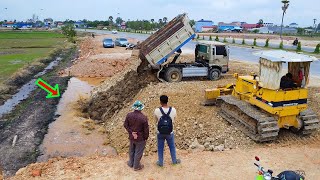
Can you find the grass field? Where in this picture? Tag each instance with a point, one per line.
(20, 48)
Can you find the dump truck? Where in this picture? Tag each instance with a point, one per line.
(211, 58)
(260, 105)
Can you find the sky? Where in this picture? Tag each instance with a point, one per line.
(300, 11)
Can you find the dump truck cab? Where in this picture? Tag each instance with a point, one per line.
(214, 53)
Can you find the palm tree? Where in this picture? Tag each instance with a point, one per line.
(165, 19)
(111, 19)
(152, 21)
(160, 21)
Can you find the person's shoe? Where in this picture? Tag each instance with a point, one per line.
(139, 168)
(178, 161)
(129, 164)
(158, 164)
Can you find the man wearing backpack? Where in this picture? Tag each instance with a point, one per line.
(136, 124)
(165, 117)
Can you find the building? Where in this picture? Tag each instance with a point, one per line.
(249, 26)
(209, 28)
(285, 30)
(293, 25)
(229, 26)
(48, 22)
(9, 24)
(123, 25)
(59, 24)
(23, 25)
(262, 30)
(79, 24)
(268, 24)
(199, 24)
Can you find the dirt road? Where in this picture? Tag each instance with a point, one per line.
(228, 165)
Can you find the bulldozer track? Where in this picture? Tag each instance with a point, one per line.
(256, 124)
(310, 121)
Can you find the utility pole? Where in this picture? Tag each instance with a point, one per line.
(284, 9)
(315, 26)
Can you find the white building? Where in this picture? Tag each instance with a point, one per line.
(268, 24)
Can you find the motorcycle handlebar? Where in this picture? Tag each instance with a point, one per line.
(256, 164)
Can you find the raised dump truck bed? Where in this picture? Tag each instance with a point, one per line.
(157, 48)
(211, 58)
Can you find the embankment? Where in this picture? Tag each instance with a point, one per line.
(29, 121)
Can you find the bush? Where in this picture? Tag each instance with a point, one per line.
(281, 45)
(198, 37)
(217, 38)
(255, 42)
(69, 31)
(202, 37)
(210, 38)
(317, 50)
(299, 46)
(233, 41)
(267, 43)
(243, 41)
(225, 40)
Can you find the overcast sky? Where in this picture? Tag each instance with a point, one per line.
(300, 11)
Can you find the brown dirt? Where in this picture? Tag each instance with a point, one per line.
(96, 61)
(227, 165)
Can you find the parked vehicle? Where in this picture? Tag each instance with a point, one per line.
(108, 43)
(211, 58)
(114, 31)
(285, 175)
(121, 42)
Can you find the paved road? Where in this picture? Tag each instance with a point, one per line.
(239, 53)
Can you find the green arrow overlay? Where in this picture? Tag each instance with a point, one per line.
(52, 92)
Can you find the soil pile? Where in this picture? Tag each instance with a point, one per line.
(116, 92)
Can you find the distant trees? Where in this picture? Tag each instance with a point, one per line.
(192, 22)
(119, 20)
(110, 20)
(69, 31)
(165, 19)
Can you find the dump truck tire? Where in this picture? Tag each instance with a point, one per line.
(173, 74)
(214, 74)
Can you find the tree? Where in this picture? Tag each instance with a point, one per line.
(198, 36)
(300, 31)
(255, 42)
(317, 50)
(217, 38)
(299, 47)
(267, 43)
(110, 20)
(260, 22)
(119, 20)
(69, 31)
(210, 38)
(256, 31)
(192, 23)
(165, 19)
(243, 41)
(202, 37)
(225, 40)
(233, 41)
(281, 45)
(152, 21)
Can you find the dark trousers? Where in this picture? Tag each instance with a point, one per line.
(135, 153)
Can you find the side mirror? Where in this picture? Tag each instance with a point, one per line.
(257, 158)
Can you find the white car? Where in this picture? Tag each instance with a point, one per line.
(114, 31)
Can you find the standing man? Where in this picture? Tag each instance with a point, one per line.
(165, 117)
(137, 126)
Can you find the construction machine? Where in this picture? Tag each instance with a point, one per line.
(259, 107)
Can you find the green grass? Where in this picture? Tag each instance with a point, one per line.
(18, 49)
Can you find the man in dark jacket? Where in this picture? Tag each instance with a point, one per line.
(287, 82)
(136, 124)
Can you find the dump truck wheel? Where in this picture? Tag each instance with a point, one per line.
(214, 74)
(173, 75)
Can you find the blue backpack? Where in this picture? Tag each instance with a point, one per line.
(165, 122)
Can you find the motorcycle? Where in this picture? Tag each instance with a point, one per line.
(285, 175)
(130, 46)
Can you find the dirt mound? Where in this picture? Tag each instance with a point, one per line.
(111, 96)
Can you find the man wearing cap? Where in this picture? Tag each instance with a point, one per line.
(136, 124)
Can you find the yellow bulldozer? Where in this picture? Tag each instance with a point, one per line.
(260, 105)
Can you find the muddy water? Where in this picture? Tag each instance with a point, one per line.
(66, 137)
(25, 90)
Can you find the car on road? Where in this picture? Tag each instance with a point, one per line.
(108, 43)
(121, 42)
(114, 31)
